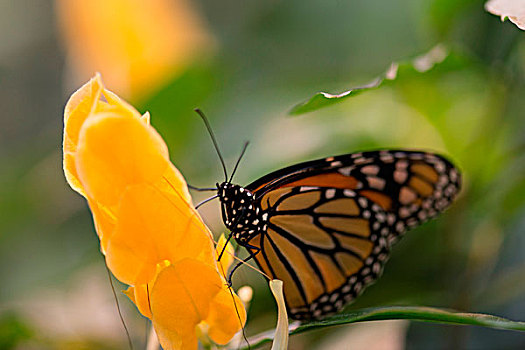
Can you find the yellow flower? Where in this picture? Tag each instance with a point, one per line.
(137, 45)
(152, 237)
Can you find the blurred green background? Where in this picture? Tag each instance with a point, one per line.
(267, 57)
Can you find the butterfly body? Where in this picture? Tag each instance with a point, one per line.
(326, 227)
(240, 213)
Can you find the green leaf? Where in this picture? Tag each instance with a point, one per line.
(418, 65)
(325, 99)
(413, 313)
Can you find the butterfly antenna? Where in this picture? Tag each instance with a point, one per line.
(239, 160)
(201, 189)
(206, 201)
(201, 114)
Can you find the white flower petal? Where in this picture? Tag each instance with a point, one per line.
(280, 340)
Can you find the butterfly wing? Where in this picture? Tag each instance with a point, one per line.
(331, 222)
(325, 247)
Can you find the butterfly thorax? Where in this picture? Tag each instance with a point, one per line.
(240, 213)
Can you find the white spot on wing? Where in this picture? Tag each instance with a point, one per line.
(349, 193)
(376, 182)
(416, 156)
(334, 297)
(400, 176)
(363, 160)
(402, 164)
(330, 193)
(370, 169)
(404, 212)
(440, 166)
(453, 175)
(346, 170)
(387, 159)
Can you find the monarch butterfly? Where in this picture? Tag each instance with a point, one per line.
(325, 227)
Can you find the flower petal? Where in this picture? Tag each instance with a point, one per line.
(115, 151)
(104, 221)
(280, 340)
(139, 296)
(137, 45)
(152, 227)
(117, 105)
(180, 300)
(77, 110)
(146, 118)
(514, 10)
(226, 317)
(172, 183)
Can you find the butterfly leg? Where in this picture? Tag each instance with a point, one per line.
(225, 245)
(253, 251)
(231, 234)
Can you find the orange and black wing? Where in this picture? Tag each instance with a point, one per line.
(331, 222)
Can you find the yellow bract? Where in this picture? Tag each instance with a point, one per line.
(137, 45)
(150, 233)
(152, 229)
(178, 289)
(117, 151)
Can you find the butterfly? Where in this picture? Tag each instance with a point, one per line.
(326, 227)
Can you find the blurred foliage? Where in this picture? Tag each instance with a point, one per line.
(12, 331)
(269, 57)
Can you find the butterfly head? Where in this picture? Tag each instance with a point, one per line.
(238, 210)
